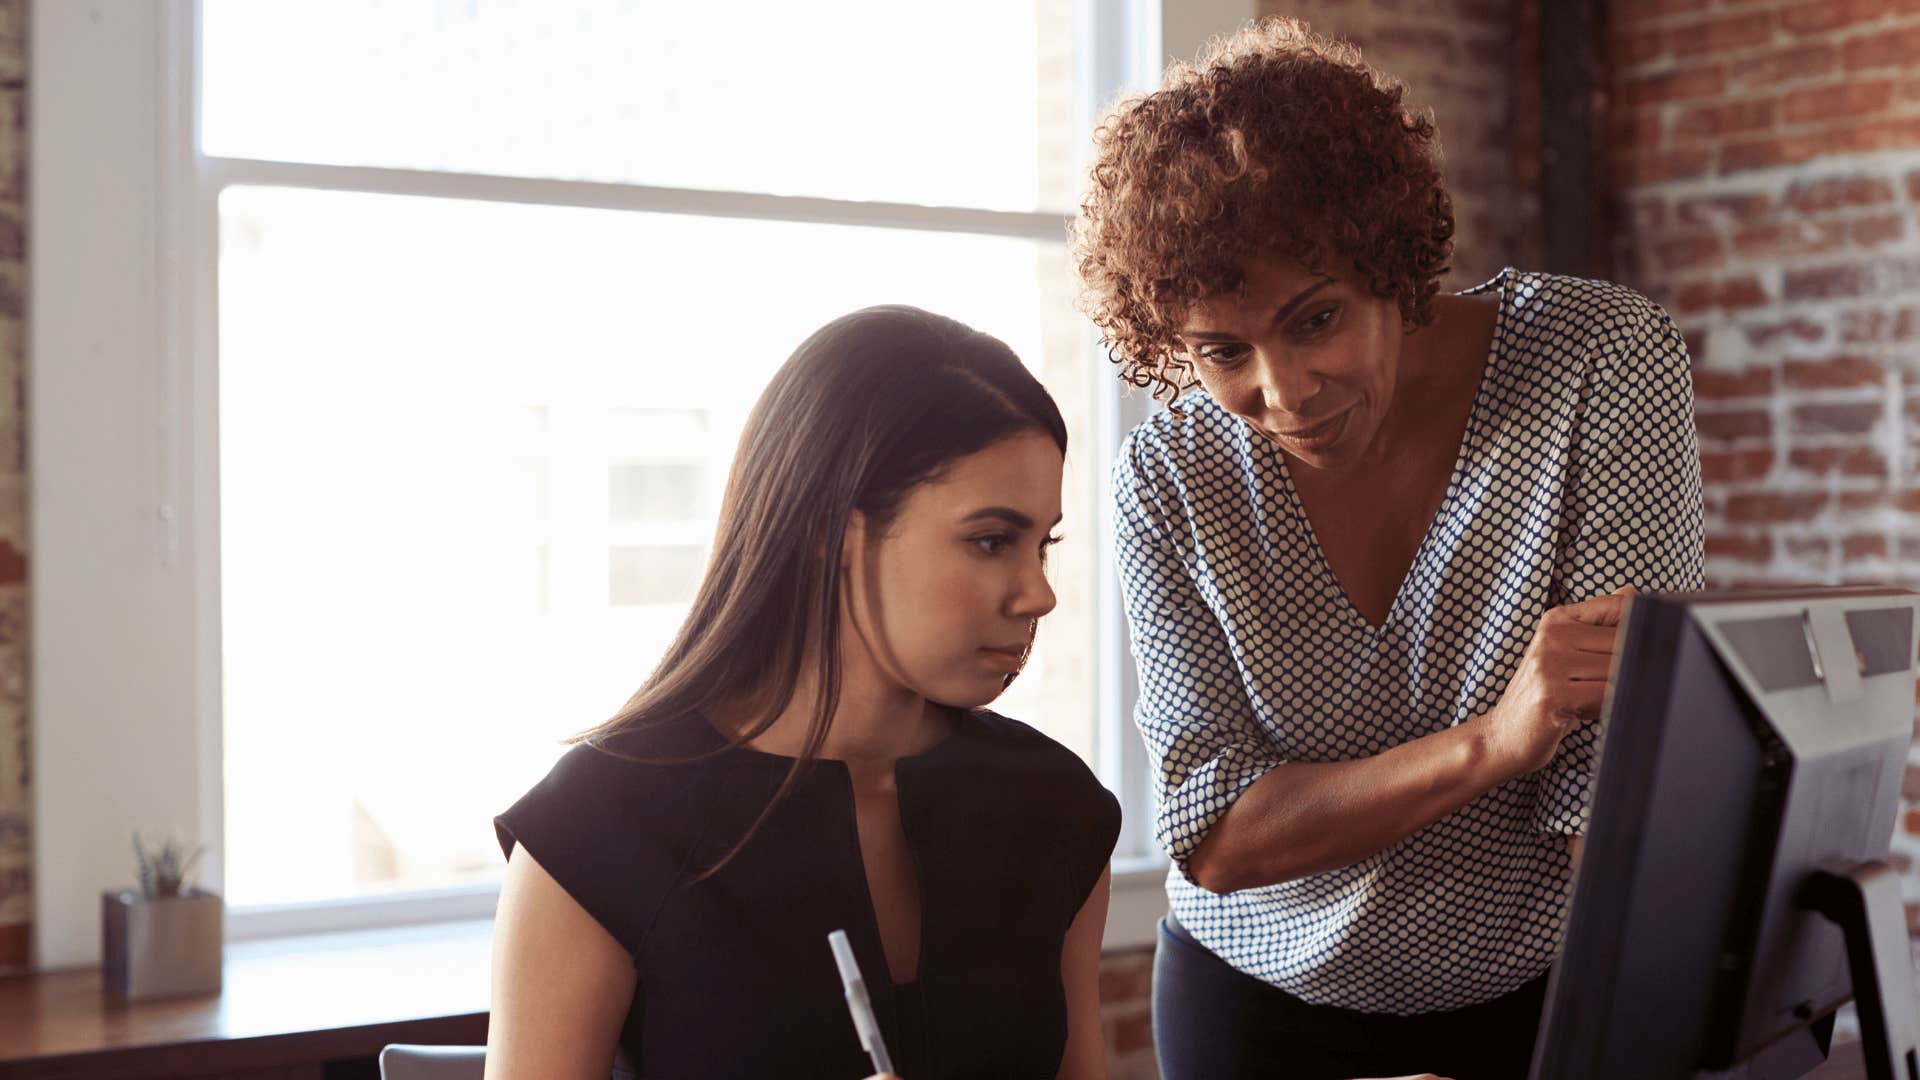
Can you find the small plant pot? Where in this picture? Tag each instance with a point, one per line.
(160, 946)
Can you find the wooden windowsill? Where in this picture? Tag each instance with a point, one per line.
(299, 1001)
(285, 1002)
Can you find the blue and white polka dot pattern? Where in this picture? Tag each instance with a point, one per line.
(1578, 473)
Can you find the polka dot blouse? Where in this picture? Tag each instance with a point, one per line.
(1578, 473)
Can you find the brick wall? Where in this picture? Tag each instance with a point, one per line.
(1126, 1014)
(1464, 59)
(1766, 162)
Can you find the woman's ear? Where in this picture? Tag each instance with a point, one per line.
(853, 541)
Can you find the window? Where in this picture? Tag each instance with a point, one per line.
(427, 419)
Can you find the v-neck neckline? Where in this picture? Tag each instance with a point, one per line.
(1351, 611)
(966, 720)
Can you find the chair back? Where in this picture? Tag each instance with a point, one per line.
(404, 1062)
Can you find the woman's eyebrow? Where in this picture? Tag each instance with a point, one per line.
(1286, 309)
(1004, 513)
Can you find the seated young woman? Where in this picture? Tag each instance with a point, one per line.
(813, 754)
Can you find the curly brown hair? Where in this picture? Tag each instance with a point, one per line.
(1276, 140)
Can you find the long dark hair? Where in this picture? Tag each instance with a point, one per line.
(868, 407)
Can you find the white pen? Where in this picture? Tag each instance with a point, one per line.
(858, 1003)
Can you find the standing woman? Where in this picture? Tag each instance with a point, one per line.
(1373, 566)
(812, 755)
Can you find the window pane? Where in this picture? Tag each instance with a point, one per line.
(459, 445)
(966, 105)
(656, 491)
(640, 576)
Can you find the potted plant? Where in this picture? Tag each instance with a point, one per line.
(163, 940)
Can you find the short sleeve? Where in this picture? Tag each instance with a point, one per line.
(1193, 712)
(595, 824)
(1632, 513)
(1096, 829)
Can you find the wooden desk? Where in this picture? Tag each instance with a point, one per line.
(288, 1007)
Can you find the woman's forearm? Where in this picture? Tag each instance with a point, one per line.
(1305, 818)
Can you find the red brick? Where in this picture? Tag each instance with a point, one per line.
(1715, 385)
(1694, 338)
(1838, 460)
(1687, 84)
(1732, 118)
(1658, 9)
(1847, 101)
(1833, 192)
(1809, 547)
(1728, 209)
(1763, 508)
(1699, 251)
(1723, 35)
(1861, 546)
(1733, 294)
(1822, 16)
(1728, 426)
(13, 564)
(1796, 329)
(1650, 215)
(1741, 547)
(1789, 65)
(1834, 373)
(1879, 326)
(1893, 48)
(1485, 13)
(1890, 133)
(1913, 186)
(1125, 980)
(1734, 466)
(1659, 166)
(1637, 47)
(1877, 230)
(1774, 240)
(1770, 152)
(1861, 502)
(1911, 822)
(1827, 282)
(1634, 130)
(1400, 38)
(1487, 54)
(1886, 274)
(1131, 1034)
(1841, 418)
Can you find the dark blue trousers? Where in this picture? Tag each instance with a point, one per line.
(1213, 1022)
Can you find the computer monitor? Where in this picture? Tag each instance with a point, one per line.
(1733, 891)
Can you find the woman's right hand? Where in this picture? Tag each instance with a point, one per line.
(1559, 684)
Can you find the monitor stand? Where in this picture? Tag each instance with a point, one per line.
(1865, 901)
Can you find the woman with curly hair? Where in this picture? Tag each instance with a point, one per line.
(1374, 564)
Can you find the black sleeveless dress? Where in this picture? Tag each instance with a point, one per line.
(1008, 831)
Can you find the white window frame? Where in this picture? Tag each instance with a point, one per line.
(122, 400)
